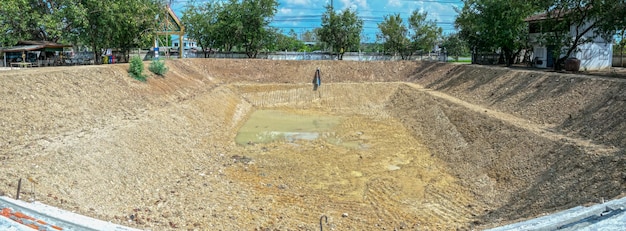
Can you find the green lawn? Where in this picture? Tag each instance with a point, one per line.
(461, 60)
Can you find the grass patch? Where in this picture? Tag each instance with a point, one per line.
(460, 61)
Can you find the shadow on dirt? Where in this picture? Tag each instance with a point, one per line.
(603, 121)
(582, 106)
(572, 178)
(551, 175)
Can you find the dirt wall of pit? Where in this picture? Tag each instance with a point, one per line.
(589, 107)
(90, 139)
(539, 170)
(553, 173)
(520, 173)
(62, 126)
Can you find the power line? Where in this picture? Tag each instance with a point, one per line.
(370, 21)
(436, 1)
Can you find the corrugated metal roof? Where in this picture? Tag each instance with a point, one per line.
(46, 43)
(23, 48)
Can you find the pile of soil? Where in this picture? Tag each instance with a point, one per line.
(460, 146)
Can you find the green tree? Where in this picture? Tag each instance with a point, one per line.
(292, 33)
(372, 47)
(613, 20)
(489, 25)
(394, 34)
(256, 17)
(230, 25)
(309, 36)
(469, 31)
(572, 23)
(120, 24)
(245, 24)
(135, 24)
(201, 24)
(455, 46)
(98, 31)
(9, 27)
(426, 33)
(341, 31)
(284, 42)
(52, 20)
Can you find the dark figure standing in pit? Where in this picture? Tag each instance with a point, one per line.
(317, 79)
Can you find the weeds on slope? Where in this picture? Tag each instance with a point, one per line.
(158, 67)
(136, 69)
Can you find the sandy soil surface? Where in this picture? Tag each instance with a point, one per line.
(419, 146)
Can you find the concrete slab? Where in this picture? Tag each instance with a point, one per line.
(607, 216)
(53, 216)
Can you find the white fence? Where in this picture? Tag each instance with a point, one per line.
(351, 56)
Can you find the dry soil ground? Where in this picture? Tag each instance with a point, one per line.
(419, 146)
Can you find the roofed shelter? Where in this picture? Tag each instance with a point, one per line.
(170, 25)
(34, 52)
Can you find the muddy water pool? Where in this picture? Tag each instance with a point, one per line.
(265, 126)
(349, 158)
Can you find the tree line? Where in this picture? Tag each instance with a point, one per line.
(219, 25)
(231, 25)
(97, 24)
(244, 26)
(503, 25)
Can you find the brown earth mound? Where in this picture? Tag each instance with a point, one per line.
(420, 146)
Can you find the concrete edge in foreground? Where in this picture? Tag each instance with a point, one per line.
(52, 216)
(606, 216)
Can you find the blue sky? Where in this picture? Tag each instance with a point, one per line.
(303, 15)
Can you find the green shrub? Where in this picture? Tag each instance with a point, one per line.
(158, 67)
(136, 69)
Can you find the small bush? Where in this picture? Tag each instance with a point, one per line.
(158, 67)
(136, 69)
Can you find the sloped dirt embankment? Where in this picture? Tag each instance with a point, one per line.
(95, 141)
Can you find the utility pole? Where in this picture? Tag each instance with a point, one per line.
(332, 34)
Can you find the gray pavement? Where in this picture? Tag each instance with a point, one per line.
(610, 215)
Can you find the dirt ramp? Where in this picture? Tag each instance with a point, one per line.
(518, 172)
(592, 108)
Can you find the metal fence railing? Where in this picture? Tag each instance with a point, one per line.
(485, 58)
(352, 56)
(619, 61)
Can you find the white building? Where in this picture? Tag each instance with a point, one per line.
(187, 43)
(594, 55)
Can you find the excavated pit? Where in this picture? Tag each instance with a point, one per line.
(222, 144)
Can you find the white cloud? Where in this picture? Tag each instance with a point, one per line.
(394, 3)
(298, 2)
(355, 4)
(440, 12)
(286, 11)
